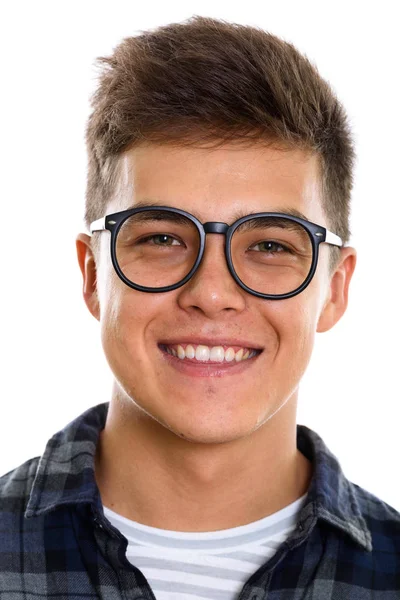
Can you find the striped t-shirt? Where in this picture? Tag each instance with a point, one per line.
(208, 565)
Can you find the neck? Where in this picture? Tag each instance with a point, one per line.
(148, 474)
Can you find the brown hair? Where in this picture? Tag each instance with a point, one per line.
(206, 80)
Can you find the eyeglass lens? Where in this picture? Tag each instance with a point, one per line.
(270, 255)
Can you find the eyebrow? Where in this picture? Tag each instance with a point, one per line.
(293, 212)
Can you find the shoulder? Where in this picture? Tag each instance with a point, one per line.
(382, 520)
(16, 486)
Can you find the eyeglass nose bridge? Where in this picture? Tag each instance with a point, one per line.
(215, 227)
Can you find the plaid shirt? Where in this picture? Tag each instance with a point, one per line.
(56, 543)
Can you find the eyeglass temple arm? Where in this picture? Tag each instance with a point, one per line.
(98, 225)
(332, 238)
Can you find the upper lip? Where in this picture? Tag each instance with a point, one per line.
(211, 342)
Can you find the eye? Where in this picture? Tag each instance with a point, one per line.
(269, 246)
(160, 239)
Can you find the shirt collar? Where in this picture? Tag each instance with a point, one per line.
(65, 476)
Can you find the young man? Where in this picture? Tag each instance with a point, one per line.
(220, 173)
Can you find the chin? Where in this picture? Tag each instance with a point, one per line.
(209, 437)
(211, 432)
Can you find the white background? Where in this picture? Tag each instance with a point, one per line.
(52, 363)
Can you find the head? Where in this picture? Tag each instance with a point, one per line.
(218, 120)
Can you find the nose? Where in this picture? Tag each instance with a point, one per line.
(212, 289)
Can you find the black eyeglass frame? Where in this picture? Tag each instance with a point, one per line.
(317, 234)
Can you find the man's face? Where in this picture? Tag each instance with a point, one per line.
(199, 402)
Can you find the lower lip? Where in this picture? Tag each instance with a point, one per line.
(199, 369)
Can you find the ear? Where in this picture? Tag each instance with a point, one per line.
(87, 265)
(338, 292)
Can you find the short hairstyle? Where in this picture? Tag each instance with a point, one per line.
(204, 82)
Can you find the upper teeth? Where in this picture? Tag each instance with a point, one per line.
(214, 353)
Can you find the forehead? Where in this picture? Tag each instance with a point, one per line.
(220, 184)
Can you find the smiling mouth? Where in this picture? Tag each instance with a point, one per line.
(201, 354)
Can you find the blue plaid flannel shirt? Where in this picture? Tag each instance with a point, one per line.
(56, 543)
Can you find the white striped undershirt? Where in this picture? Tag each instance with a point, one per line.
(208, 565)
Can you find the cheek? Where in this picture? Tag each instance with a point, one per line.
(126, 318)
(122, 338)
(294, 321)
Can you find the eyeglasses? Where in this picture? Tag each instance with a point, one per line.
(158, 249)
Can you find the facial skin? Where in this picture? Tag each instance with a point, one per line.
(224, 443)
